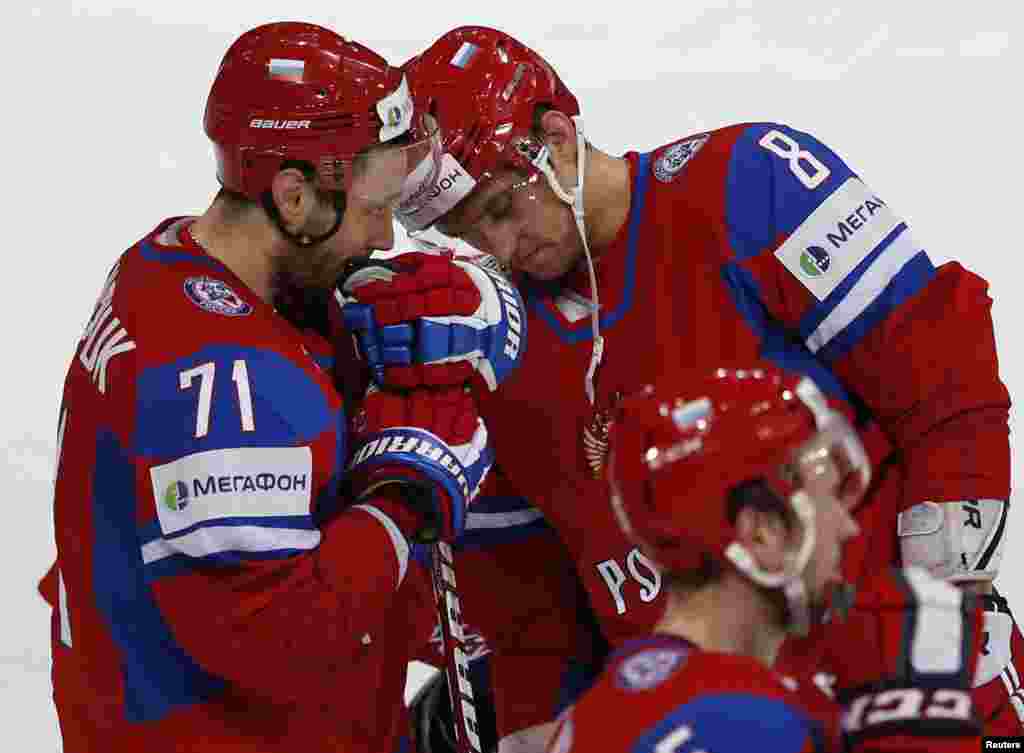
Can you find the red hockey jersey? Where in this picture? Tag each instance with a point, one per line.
(751, 241)
(208, 593)
(664, 695)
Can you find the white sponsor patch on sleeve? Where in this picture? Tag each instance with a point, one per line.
(241, 482)
(836, 237)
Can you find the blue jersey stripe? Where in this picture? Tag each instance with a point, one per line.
(765, 200)
(485, 538)
(910, 281)
(289, 406)
(181, 564)
(498, 503)
(727, 723)
(535, 294)
(778, 345)
(813, 318)
(168, 256)
(158, 675)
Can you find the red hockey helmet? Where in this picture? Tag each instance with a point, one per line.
(482, 87)
(296, 91)
(677, 454)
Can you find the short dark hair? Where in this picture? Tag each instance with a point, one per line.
(757, 494)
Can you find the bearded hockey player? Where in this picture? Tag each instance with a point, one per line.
(214, 589)
(741, 484)
(754, 240)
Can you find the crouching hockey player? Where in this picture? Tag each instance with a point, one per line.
(741, 485)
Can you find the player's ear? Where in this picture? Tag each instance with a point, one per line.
(559, 135)
(293, 196)
(764, 534)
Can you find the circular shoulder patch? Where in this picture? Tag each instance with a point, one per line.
(216, 296)
(674, 158)
(649, 668)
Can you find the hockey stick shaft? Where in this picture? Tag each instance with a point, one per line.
(449, 615)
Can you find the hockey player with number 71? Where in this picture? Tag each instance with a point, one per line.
(752, 240)
(217, 588)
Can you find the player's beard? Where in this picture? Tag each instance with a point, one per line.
(316, 267)
(310, 268)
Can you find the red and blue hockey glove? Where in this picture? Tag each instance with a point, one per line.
(428, 318)
(428, 444)
(904, 656)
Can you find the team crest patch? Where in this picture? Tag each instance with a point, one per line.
(595, 437)
(675, 157)
(215, 296)
(649, 668)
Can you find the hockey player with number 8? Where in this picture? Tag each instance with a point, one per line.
(749, 241)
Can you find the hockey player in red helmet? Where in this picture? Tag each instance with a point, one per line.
(680, 468)
(217, 586)
(740, 484)
(755, 240)
(319, 133)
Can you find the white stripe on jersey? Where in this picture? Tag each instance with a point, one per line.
(397, 539)
(866, 290)
(222, 539)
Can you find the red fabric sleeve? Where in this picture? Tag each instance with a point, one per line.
(931, 375)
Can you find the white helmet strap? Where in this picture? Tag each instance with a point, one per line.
(574, 198)
(790, 580)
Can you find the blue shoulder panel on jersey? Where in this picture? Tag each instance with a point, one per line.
(288, 406)
(765, 199)
(158, 675)
(536, 293)
(841, 241)
(730, 723)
